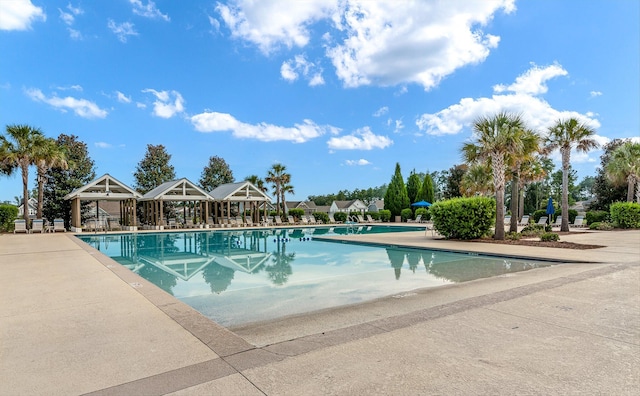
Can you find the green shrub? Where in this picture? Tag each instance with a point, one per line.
(625, 214)
(601, 225)
(572, 215)
(340, 216)
(533, 230)
(514, 236)
(321, 217)
(594, 216)
(426, 215)
(385, 215)
(406, 214)
(297, 213)
(8, 214)
(549, 236)
(464, 218)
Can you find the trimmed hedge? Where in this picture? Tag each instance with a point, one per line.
(8, 214)
(596, 216)
(602, 226)
(426, 215)
(549, 236)
(385, 215)
(321, 217)
(625, 214)
(297, 213)
(464, 218)
(406, 214)
(340, 216)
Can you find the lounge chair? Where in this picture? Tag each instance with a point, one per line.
(239, 221)
(312, 219)
(58, 225)
(266, 221)
(418, 219)
(558, 222)
(542, 220)
(332, 220)
(372, 220)
(578, 222)
(248, 222)
(507, 220)
(20, 226)
(278, 220)
(173, 224)
(361, 219)
(37, 226)
(291, 220)
(524, 221)
(114, 225)
(304, 220)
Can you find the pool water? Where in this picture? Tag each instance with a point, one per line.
(239, 277)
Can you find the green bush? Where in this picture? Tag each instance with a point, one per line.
(533, 230)
(514, 236)
(426, 215)
(594, 216)
(406, 214)
(321, 217)
(601, 225)
(385, 215)
(549, 236)
(340, 216)
(464, 218)
(572, 215)
(8, 214)
(297, 213)
(625, 214)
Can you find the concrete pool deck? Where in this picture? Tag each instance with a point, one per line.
(73, 321)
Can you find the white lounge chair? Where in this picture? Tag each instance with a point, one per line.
(20, 225)
(58, 225)
(332, 220)
(418, 219)
(558, 222)
(542, 220)
(578, 222)
(524, 221)
(507, 220)
(37, 226)
(372, 220)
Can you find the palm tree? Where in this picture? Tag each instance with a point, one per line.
(286, 188)
(476, 181)
(19, 149)
(624, 167)
(565, 135)
(48, 155)
(531, 171)
(517, 159)
(256, 181)
(495, 137)
(275, 177)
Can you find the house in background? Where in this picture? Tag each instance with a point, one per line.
(376, 206)
(309, 207)
(33, 208)
(354, 205)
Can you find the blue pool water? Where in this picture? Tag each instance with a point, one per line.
(243, 276)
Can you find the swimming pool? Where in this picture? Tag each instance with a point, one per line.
(243, 276)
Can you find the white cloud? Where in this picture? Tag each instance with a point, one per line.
(19, 14)
(361, 139)
(122, 30)
(148, 11)
(536, 112)
(103, 145)
(299, 65)
(74, 87)
(122, 97)
(381, 111)
(595, 93)
(399, 126)
(223, 122)
(141, 105)
(533, 81)
(74, 34)
(168, 103)
(81, 107)
(269, 23)
(375, 42)
(360, 162)
(69, 17)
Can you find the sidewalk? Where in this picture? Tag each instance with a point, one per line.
(73, 322)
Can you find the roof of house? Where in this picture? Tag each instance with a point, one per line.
(347, 204)
(106, 187)
(177, 190)
(236, 192)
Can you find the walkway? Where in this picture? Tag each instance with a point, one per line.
(74, 322)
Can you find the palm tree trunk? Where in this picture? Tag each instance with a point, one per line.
(515, 184)
(566, 152)
(25, 191)
(631, 186)
(41, 172)
(498, 182)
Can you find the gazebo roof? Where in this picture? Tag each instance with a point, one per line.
(104, 188)
(239, 192)
(177, 190)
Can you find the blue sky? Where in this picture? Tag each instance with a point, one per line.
(338, 91)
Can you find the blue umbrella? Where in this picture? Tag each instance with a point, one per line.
(550, 209)
(421, 204)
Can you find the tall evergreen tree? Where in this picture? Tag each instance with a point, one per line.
(413, 187)
(427, 190)
(60, 182)
(217, 172)
(48, 155)
(154, 169)
(396, 197)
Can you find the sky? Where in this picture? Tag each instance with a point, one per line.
(338, 91)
